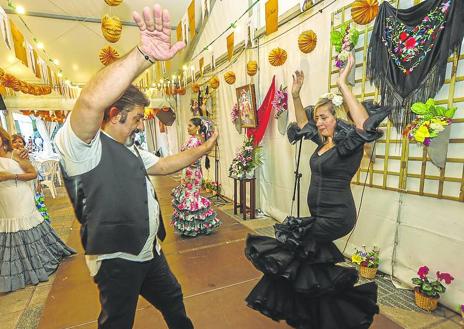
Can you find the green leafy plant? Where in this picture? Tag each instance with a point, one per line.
(431, 120)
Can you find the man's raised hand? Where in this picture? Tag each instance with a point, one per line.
(155, 33)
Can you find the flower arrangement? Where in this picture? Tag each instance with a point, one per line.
(246, 160)
(431, 120)
(234, 114)
(366, 258)
(336, 99)
(431, 288)
(280, 102)
(344, 41)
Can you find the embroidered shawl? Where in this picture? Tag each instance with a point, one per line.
(409, 51)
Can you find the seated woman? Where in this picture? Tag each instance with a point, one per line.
(18, 143)
(301, 283)
(193, 214)
(30, 249)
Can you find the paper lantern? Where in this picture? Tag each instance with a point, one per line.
(195, 87)
(180, 91)
(111, 28)
(307, 41)
(108, 55)
(113, 2)
(364, 11)
(252, 68)
(277, 57)
(229, 77)
(214, 82)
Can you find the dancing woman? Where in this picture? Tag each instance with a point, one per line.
(193, 214)
(301, 283)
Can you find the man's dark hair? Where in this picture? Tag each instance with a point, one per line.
(132, 97)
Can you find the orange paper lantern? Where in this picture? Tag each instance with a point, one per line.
(229, 77)
(277, 57)
(111, 28)
(364, 11)
(252, 68)
(214, 82)
(307, 41)
(195, 87)
(108, 55)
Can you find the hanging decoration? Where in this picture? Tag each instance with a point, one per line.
(113, 2)
(229, 77)
(280, 107)
(195, 87)
(108, 55)
(180, 91)
(344, 41)
(51, 116)
(409, 50)
(214, 82)
(252, 68)
(272, 16)
(264, 114)
(277, 57)
(431, 128)
(364, 11)
(230, 46)
(111, 28)
(307, 41)
(10, 81)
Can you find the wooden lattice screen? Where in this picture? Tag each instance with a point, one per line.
(400, 165)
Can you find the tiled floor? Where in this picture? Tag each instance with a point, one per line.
(24, 309)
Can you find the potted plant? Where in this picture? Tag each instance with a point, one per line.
(368, 261)
(247, 159)
(215, 188)
(428, 292)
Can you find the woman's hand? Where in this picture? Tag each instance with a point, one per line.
(209, 144)
(345, 71)
(298, 80)
(155, 33)
(5, 175)
(21, 153)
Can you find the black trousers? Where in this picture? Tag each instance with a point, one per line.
(120, 283)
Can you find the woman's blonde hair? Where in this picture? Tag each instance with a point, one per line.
(6, 140)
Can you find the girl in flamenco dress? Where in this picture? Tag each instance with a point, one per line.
(302, 283)
(193, 214)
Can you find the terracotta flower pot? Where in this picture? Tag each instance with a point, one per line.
(425, 302)
(367, 272)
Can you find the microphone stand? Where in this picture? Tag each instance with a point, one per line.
(296, 186)
(218, 199)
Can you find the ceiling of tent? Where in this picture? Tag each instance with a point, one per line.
(76, 44)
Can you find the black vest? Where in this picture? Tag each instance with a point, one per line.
(111, 202)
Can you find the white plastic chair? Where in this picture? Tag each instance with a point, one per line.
(49, 170)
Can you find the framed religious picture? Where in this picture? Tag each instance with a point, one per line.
(246, 102)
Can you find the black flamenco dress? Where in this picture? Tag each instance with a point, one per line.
(301, 283)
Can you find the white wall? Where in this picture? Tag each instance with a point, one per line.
(430, 231)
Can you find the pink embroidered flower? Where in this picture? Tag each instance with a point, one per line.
(189, 186)
(188, 173)
(445, 277)
(187, 194)
(403, 36)
(422, 272)
(410, 43)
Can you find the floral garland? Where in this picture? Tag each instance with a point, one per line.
(280, 102)
(430, 121)
(247, 159)
(344, 42)
(234, 114)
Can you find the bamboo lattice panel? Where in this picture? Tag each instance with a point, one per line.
(400, 165)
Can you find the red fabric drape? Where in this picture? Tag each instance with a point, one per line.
(264, 114)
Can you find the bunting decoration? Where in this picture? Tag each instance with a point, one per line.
(10, 81)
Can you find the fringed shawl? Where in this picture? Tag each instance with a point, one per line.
(409, 50)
